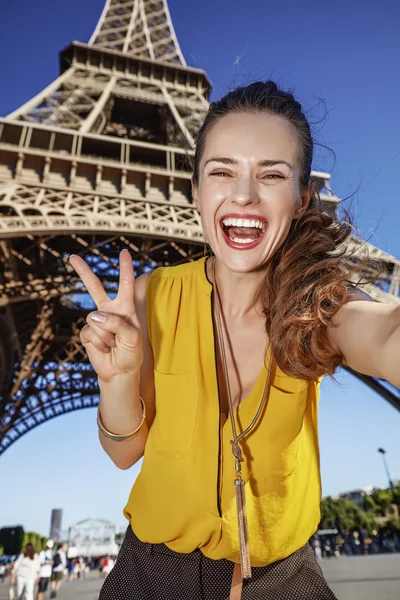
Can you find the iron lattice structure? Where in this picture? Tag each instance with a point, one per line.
(98, 161)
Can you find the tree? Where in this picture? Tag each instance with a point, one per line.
(396, 495)
(383, 499)
(370, 505)
(345, 516)
(38, 541)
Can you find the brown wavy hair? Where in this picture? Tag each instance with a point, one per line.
(309, 278)
(29, 551)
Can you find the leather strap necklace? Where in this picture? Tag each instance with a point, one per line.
(245, 562)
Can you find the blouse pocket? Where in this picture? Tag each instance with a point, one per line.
(176, 410)
(281, 437)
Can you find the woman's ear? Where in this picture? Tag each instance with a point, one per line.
(304, 201)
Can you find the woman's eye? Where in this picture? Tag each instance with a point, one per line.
(273, 176)
(269, 176)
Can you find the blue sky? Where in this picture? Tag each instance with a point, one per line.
(344, 53)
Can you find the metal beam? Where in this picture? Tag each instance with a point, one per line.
(109, 33)
(391, 395)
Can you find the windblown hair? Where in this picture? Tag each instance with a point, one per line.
(309, 278)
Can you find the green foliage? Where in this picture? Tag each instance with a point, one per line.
(345, 515)
(38, 541)
(383, 499)
(42, 542)
(396, 495)
(370, 505)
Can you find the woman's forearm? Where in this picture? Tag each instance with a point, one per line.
(121, 413)
(391, 352)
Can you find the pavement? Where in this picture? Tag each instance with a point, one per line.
(354, 578)
(374, 577)
(85, 589)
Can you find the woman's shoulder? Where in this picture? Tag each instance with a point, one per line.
(170, 294)
(196, 268)
(188, 277)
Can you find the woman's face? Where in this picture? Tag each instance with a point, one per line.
(248, 192)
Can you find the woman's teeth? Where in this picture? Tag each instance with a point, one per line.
(243, 231)
(231, 222)
(241, 240)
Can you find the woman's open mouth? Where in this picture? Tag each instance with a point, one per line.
(243, 232)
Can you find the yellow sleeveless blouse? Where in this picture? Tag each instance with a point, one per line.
(184, 495)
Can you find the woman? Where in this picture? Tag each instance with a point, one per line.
(25, 573)
(227, 354)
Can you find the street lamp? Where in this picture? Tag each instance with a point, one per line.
(383, 452)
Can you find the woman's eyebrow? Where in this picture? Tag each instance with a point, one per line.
(272, 163)
(221, 159)
(262, 163)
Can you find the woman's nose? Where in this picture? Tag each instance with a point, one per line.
(245, 192)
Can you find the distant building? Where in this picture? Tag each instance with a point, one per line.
(93, 537)
(357, 496)
(55, 524)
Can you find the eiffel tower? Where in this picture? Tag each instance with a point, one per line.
(97, 162)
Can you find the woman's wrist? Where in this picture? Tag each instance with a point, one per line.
(120, 406)
(125, 380)
(117, 437)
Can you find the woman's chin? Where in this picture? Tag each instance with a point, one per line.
(239, 261)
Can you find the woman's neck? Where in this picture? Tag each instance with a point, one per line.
(238, 291)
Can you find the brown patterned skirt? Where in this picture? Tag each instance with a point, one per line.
(154, 572)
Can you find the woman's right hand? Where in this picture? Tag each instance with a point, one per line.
(112, 336)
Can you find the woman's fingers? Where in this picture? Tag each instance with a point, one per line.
(91, 281)
(88, 336)
(114, 324)
(126, 288)
(106, 336)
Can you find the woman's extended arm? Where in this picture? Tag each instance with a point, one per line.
(368, 335)
(121, 397)
(116, 340)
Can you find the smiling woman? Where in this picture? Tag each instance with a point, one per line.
(269, 168)
(211, 369)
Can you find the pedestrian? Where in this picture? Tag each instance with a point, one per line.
(59, 566)
(317, 549)
(70, 567)
(101, 564)
(87, 568)
(46, 563)
(25, 573)
(225, 355)
(107, 565)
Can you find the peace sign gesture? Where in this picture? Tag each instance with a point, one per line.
(112, 336)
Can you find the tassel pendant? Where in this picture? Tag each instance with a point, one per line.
(243, 529)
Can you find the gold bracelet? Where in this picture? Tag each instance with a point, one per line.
(121, 438)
